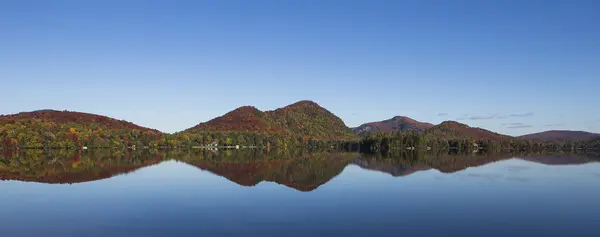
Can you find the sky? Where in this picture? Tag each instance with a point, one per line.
(513, 67)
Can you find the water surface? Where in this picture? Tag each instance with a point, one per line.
(250, 193)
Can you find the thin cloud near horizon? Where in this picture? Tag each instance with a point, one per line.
(528, 114)
(494, 116)
(517, 125)
(481, 117)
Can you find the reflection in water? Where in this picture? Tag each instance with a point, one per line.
(61, 167)
(181, 193)
(403, 166)
(304, 172)
(301, 170)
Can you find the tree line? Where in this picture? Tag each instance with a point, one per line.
(38, 134)
(399, 141)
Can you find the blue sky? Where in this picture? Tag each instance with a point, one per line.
(513, 67)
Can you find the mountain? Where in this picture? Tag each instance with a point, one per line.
(395, 124)
(561, 135)
(456, 130)
(245, 118)
(66, 129)
(69, 117)
(303, 119)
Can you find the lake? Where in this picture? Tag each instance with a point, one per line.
(252, 193)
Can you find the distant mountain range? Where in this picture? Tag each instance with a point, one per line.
(395, 124)
(447, 129)
(559, 135)
(453, 129)
(305, 119)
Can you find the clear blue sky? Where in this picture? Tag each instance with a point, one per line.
(510, 66)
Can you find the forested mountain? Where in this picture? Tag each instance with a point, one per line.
(560, 135)
(305, 119)
(245, 118)
(456, 130)
(302, 124)
(395, 124)
(70, 117)
(63, 129)
(446, 129)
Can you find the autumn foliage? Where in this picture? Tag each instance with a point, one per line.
(304, 119)
(65, 129)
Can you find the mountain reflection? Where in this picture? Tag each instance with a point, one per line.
(407, 165)
(68, 167)
(300, 170)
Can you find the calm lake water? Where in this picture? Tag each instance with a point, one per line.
(248, 193)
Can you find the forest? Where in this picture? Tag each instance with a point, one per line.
(38, 134)
(399, 141)
(72, 130)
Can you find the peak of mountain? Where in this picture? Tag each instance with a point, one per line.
(395, 124)
(303, 103)
(456, 130)
(560, 135)
(453, 124)
(304, 118)
(245, 118)
(398, 117)
(65, 117)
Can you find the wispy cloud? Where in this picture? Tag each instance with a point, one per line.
(517, 125)
(490, 116)
(553, 125)
(481, 117)
(442, 114)
(528, 114)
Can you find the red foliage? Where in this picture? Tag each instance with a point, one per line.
(295, 119)
(77, 177)
(63, 117)
(470, 132)
(76, 156)
(8, 154)
(397, 123)
(246, 118)
(8, 142)
(557, 135)
(73, 137)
